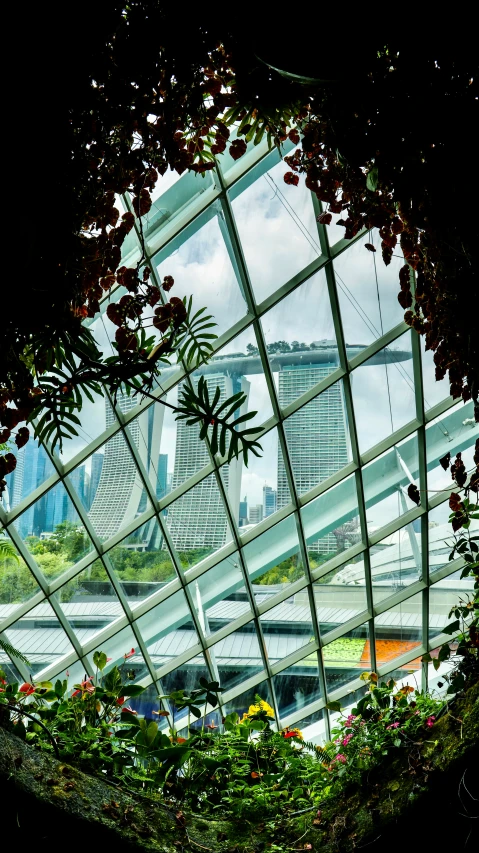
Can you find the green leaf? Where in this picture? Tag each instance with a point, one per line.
(372, 179)
(333, 706)
(100, 660)
(132, 690)
(450, 629)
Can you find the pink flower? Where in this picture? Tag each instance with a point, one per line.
(346, 740)
(129, 654)
(349, 720)
(341, 758)
(26, 688)
(393, 726)
(128, 710)
(430, 721)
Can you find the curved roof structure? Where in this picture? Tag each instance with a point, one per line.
(290, 576)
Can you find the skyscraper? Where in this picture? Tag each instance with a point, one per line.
(199, 520)
(316, 435)
(95, 473)
(243, 511)
(162, 481)
(120, 495)
(255, 514)
(269, 501)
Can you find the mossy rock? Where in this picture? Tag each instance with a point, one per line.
(420, 799)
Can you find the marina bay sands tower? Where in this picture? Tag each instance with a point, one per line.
(317, 436)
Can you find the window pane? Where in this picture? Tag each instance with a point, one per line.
(89, 602)
(330, 519)
(198, 523)
(367, 290)
(318, 436)
(142, 562)
(283, 219)
(454, 432)
(40, 637)
(219, 595)
(274, 559)
(257, 491)
(237, 657)
(168, 629)
(60, 540)
(309, 352)
(340, 596)
(386, 480)
(399, 631)
(287, 628)
(384, 384)
(297, 686)
(203, 266)
(346, 658)
(396, 561)
(32, 469)
(17, 584)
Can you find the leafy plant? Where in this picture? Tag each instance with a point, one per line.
(465, 627)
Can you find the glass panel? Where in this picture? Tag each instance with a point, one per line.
(287, 627)
(168, 629)
(173, 197)
(257, 491)
(437, 682)
(274, 559)
(454, 432)
(8, 670)
(142, 562)
(277, 227)
(340, 595)
(346, 658)
(89, 602)
(240, 361)
(40, 637)
(203, 266)
(237, 657)
(122, 650)
(396, 561)
(434, 390)
(120, 495)
(367, 290)
(439, 535)
(313, 728)
(60, 540)
(247, 702)
(17, 584)
(385, 383)
(198, 523)
(348, 703)
(169, 449)
(310, 352)
(318, 437)
(444, 595)
(399, 630)
(32, 469)
(297, 686)
(331, 521)
(386, 480)
(219, 595)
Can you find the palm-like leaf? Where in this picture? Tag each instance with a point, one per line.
(195, 407)
(12, 652)
(8, 551)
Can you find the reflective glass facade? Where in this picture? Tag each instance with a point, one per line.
(288, 578)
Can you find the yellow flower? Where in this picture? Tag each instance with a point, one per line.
(255, 709)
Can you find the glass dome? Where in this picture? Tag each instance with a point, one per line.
(287, 578)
